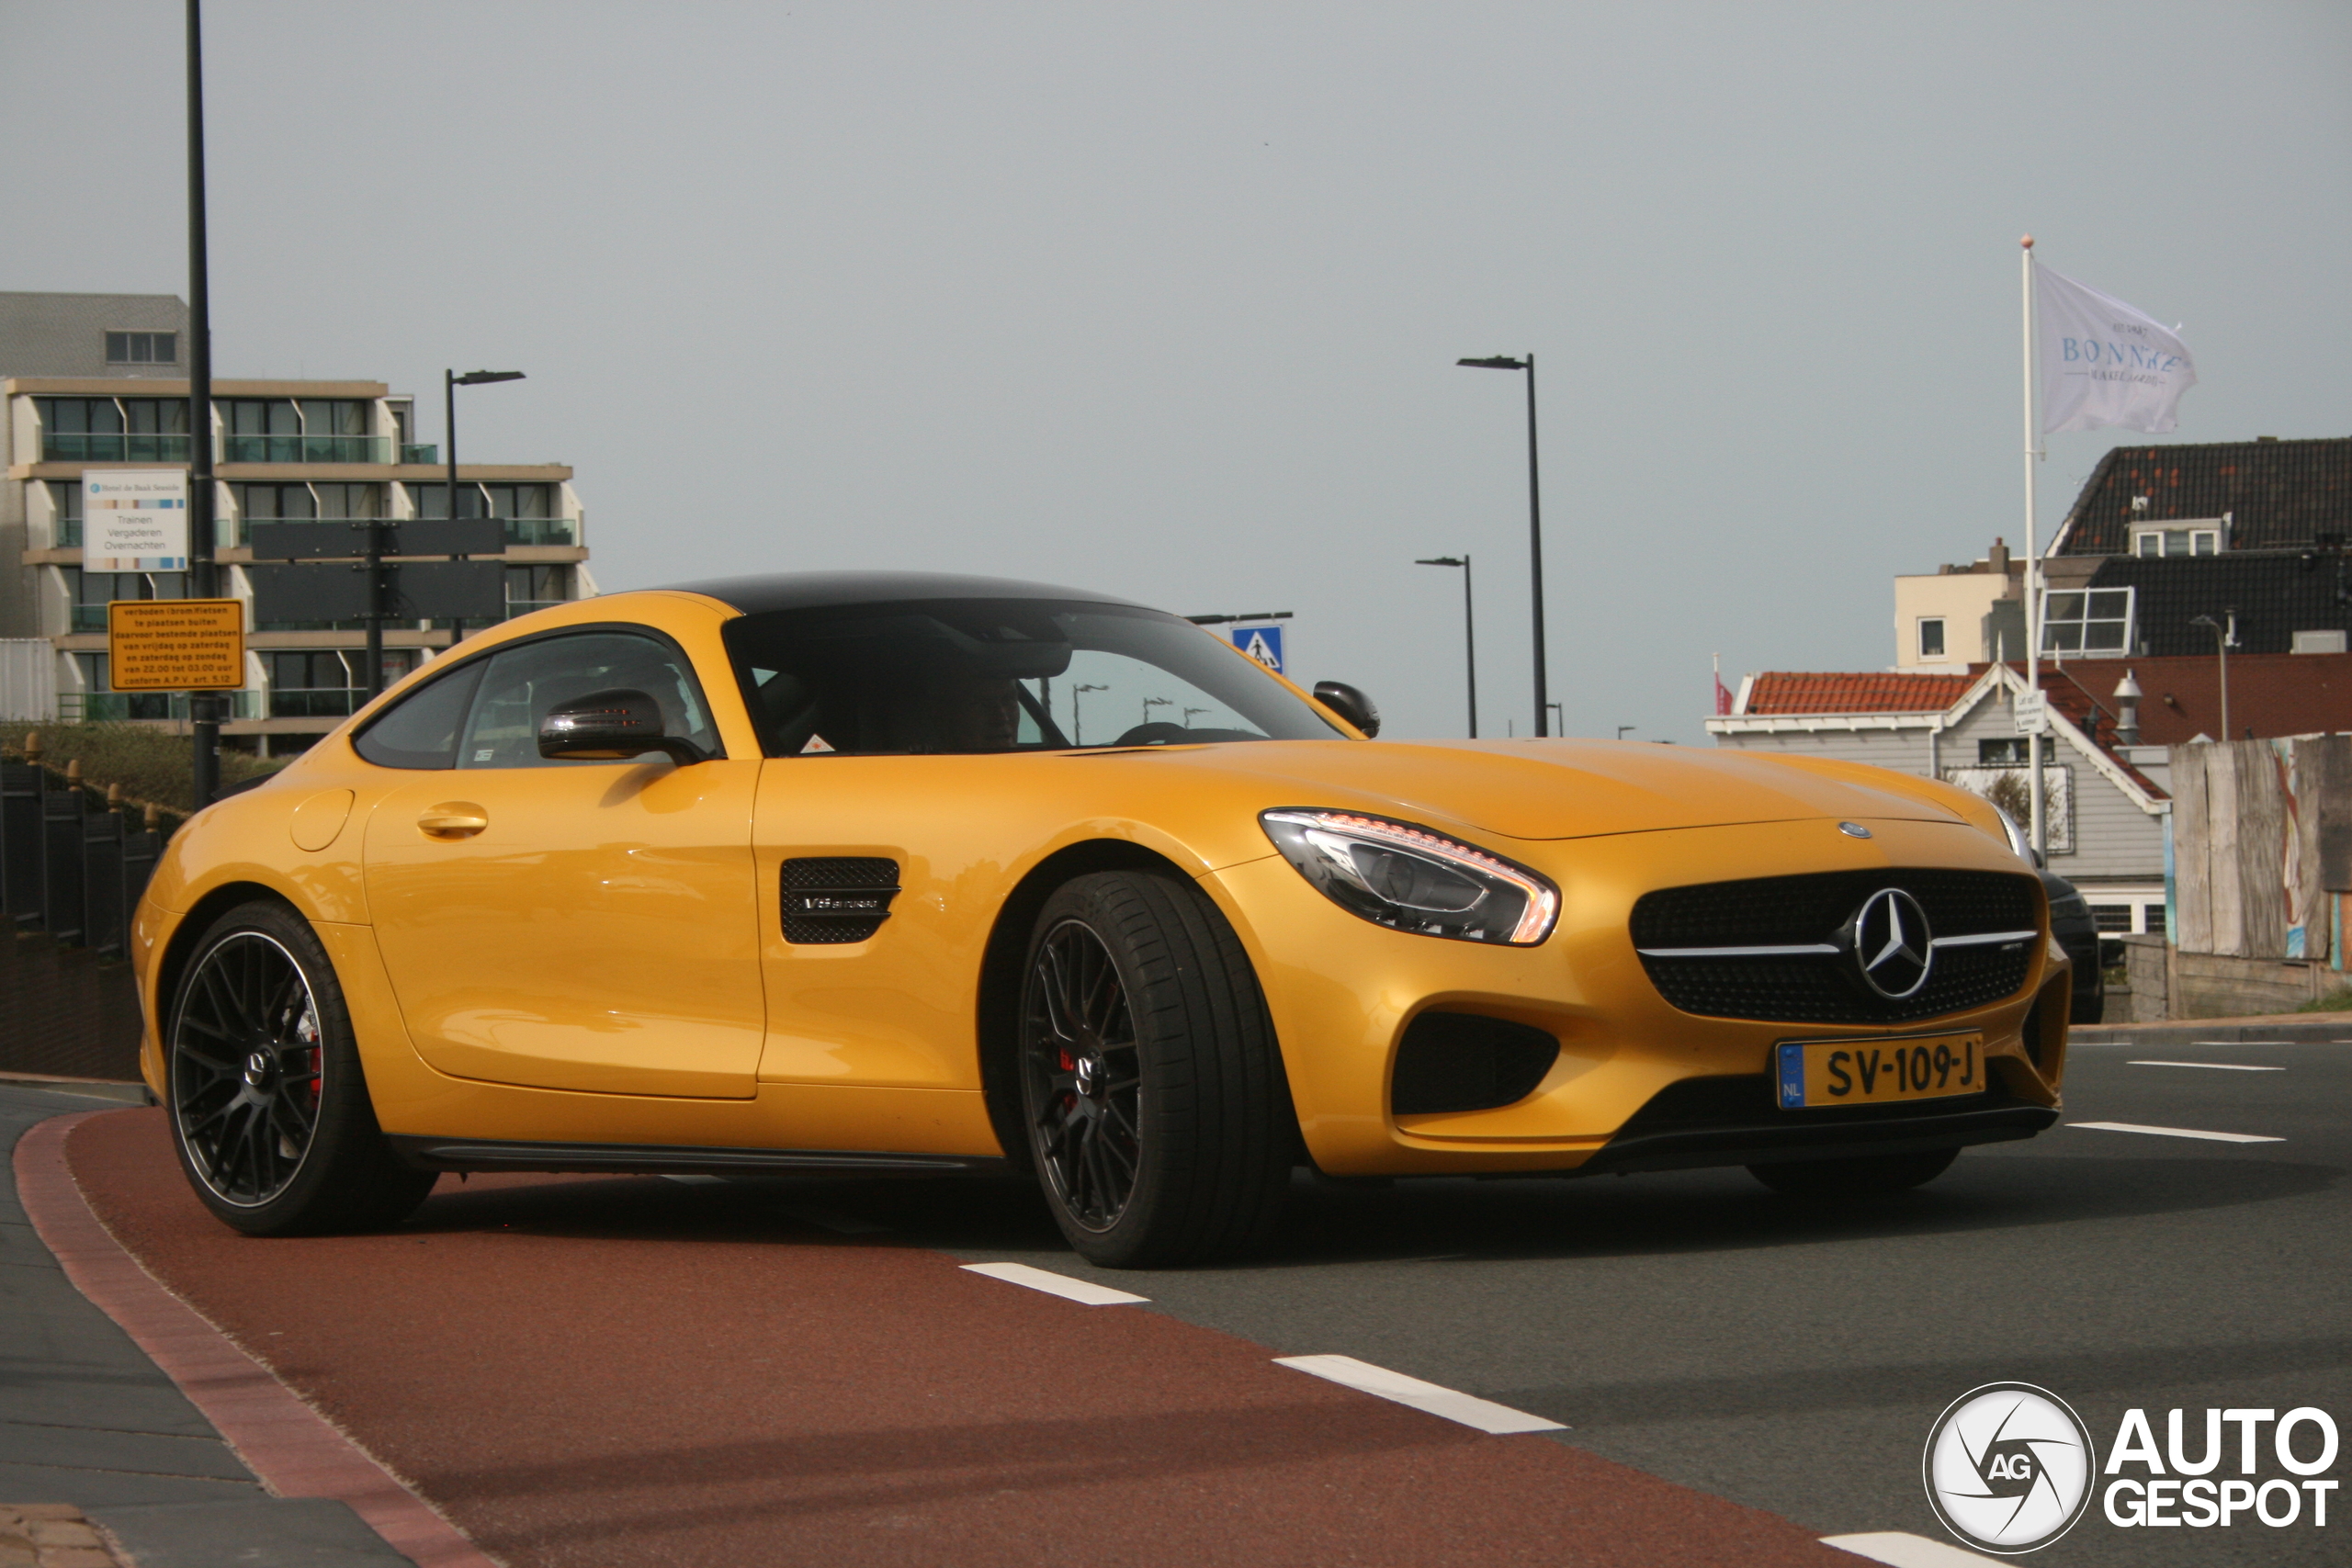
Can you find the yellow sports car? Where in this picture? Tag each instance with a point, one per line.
(897, 872)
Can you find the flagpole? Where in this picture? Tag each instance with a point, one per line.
(2037, 829)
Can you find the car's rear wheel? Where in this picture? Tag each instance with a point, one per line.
(1863, 1177)
(1152, 1088)
(269, 1110)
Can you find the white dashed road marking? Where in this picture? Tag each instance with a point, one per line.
(2176, 1132)
(1904, 1551)
(2217, 1067)
(1483, 1414)
(1079, 1290)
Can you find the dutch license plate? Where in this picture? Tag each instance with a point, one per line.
(1870, 1072)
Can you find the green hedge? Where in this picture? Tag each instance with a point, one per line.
(153, 766)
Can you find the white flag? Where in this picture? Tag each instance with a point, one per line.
(2104, 363)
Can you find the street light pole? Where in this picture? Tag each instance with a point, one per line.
(450, 382)
(1534, 526)
(204, 572)
(1469, 631)
(2222, 637)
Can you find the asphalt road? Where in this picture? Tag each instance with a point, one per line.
(644, 1367)
(1794, 1357)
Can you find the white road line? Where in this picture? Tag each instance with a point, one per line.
(2217, 1067)
(1904, 1551)
(832, 1220)
(2176, 1132)
(1483, 1414)
(1079, 1290)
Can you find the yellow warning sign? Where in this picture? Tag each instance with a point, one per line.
(175, 645)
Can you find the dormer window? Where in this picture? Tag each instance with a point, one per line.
(2189, 539)
(2096, 620)
(142, 348)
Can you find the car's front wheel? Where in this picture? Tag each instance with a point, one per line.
(1152, 1088)
(1869, 1175)
(269, 1110)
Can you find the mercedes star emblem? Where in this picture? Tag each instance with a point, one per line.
(1892, 944)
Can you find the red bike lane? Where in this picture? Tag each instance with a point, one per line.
(624, 1371)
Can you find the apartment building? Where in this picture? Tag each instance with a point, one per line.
(97, 381)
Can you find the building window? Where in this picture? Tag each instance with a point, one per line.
(142, 348)
(1931, 636)
(2093, 621)
(328, 683)
(532, 587)
(2008, 752)
(92, 592)
(315, 430)
(65, 508)
(2188, 541)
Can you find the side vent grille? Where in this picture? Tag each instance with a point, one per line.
(1462, 1061)
(830, 899)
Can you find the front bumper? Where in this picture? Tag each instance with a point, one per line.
(1342, 992)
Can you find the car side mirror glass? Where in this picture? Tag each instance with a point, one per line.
(1349, 704)
(610, 727)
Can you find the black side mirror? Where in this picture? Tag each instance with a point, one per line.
(610, 727)
(1349, 704)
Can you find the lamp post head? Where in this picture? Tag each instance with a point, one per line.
(480, 377)
(1442, 561)
(1494, 362)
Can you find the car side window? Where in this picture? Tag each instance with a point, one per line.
(522, 683)
(421, 730)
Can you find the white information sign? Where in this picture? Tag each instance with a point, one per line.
(134, 520)
(2030, 711)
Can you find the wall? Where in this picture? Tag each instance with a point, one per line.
(2262, 836)
(1962, 599)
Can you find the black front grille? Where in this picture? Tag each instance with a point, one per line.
(837, 899)
(1789, 911)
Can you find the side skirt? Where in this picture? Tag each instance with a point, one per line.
(669, 1159)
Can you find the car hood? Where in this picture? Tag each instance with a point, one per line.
(1554, 789)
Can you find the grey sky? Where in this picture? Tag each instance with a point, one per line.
(1165, 299)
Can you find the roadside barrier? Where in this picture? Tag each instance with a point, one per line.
(72, 863)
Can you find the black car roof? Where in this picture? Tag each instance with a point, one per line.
(811, 590)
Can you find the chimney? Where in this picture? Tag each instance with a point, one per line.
(2127, 701)
(1997, 559)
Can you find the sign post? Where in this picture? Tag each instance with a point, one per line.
(175, 645)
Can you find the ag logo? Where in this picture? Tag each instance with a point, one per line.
(2008, 1468)
(1891, 943)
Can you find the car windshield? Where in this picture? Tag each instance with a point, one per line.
(964, 675)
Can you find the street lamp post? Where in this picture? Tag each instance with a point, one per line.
(450, 382)
(204, 572)
(1469, 631)
(2223, 636)
(1534, 524)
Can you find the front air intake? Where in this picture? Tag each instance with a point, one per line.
(1463, 1061)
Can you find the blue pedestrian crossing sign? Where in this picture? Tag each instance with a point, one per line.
(1263, 644)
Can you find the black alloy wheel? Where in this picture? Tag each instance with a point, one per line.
(246, 1068)
(1085, 1081)
(269, 1107)
(1157, 1112)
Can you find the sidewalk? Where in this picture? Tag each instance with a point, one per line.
(86, 1420)
(2285, 1028)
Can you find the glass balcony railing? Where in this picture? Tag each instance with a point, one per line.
(65, 447)
(69, 533)
(306, 448)
(524, 606)
(326, 702)
(114, 707)
(89, 618)
(413, 453)
(542, 530)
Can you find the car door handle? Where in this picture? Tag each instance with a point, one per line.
(453, 819)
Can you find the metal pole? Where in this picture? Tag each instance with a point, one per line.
(1470, 644)
(2221, 640)
(203, 573)
(2037, 829)
(1535, 553)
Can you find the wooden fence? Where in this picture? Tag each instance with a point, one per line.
(2262, 847)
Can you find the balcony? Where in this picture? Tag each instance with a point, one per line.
(88, 619)
(65, 447)
(306, 448)
(542, 530)
(116, 708)
(413, 453)
(524, 606)
(322, 702)
(69, 533)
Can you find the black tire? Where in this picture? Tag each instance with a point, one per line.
(1152, 1089)
(1870, 1176)
(269, 1109)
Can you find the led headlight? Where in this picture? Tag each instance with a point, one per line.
(1411, 879)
